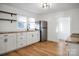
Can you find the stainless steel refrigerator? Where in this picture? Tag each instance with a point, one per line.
(42, 27)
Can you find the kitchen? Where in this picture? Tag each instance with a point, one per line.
(40, 29)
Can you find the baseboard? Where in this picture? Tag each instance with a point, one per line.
(54, 40)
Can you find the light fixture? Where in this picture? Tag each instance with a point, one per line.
(46, 5)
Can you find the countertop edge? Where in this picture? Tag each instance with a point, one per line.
(17, 31)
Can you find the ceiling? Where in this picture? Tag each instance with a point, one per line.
(36, 7)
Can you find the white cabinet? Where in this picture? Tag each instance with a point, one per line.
(37, 36)
(28, 41)
(7, 43)
(11, 42)
(73, 49)
(32, 37)
(2, 45)
(21, 40)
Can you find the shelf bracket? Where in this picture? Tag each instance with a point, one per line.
(11, 21)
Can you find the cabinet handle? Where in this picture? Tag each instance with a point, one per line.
(5, 35)
(5, 40)
(32, 35)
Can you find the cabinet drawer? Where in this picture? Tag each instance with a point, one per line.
(73, 46)
(4, 35)
(73, 52)
(21, 34)
(21, 39)
(21, 44)
(73, 49)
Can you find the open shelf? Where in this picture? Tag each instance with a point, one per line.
(8, 12)
(2, 19)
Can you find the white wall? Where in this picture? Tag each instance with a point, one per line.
(52, 21)
(51, 18)
(8, 8)
(8, 26)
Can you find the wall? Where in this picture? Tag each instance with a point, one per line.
(8, 26)
(51, 18)
(52, 22)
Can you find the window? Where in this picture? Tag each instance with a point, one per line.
(63, 27)
(31, 24)
(21, 22)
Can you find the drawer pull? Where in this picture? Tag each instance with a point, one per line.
(5, 35)
(32, 35)
(5, 40)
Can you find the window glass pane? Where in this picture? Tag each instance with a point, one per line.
(31, 20)
(21, 22)
(31, 26)
(21, 18)
(21, 25)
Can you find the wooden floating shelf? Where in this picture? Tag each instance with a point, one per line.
(8, 12)
(7, 20)
(3, 19)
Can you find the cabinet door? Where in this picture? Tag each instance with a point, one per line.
(37, 36)
(21, 40)
(11, 42)
(2, 45)
(28, 41)
(32, 37)
(73, 49)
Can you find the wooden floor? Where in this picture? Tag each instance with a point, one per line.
(41, 49)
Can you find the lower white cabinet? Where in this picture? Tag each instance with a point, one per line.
(32, 37)
(2, 45)
(13, 41)
(21, 40)
(7, 43)
(37, 34)
(73, 49)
